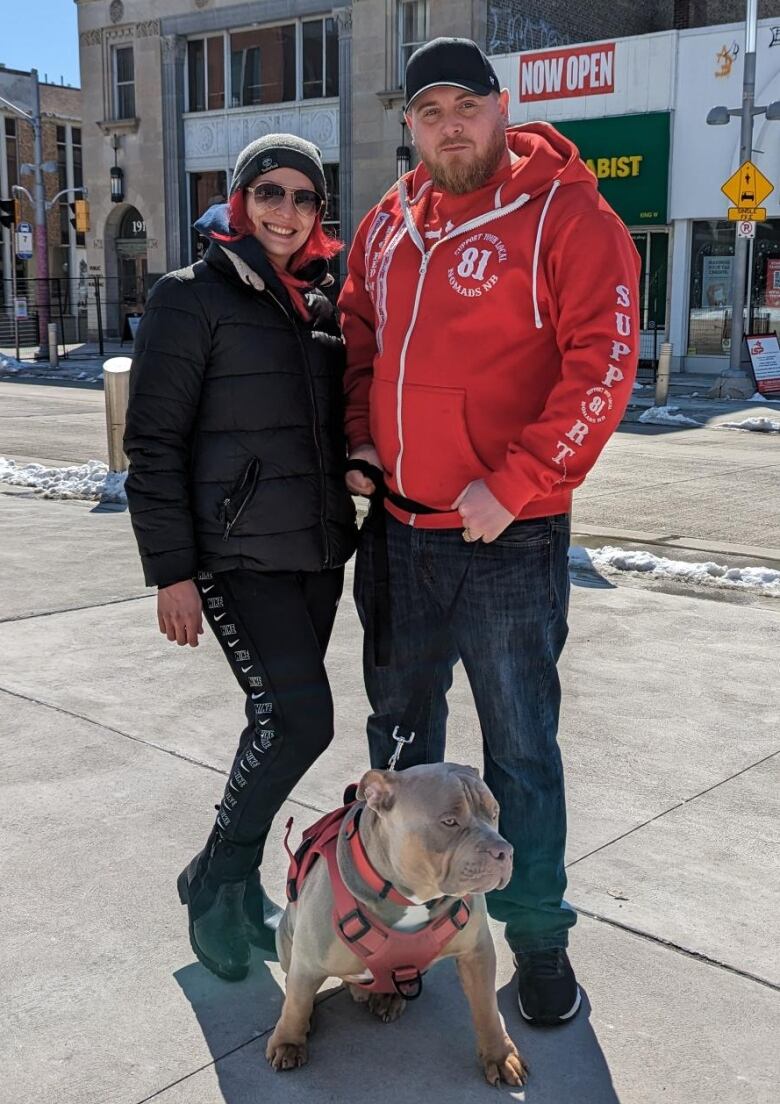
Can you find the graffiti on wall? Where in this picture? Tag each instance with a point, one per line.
(510, 30)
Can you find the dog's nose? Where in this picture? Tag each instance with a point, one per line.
(501, 852)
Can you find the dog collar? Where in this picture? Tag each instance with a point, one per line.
(385, 890)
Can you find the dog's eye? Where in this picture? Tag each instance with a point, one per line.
(450, 822)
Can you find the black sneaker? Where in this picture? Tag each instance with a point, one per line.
(547, 990)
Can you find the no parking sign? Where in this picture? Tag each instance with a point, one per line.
(746, 229)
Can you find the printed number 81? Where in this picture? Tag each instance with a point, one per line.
(468, 265)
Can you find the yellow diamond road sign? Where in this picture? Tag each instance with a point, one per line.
(748, 187)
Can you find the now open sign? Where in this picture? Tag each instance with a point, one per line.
(562, 74)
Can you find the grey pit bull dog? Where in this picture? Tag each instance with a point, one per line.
(431, 831)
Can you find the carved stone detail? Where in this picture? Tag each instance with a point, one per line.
(117, 11)
(149, 29)
(91, 38)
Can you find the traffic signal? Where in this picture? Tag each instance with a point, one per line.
(7, 212)
(80, 216)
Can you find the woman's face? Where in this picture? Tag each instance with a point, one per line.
(284, 229)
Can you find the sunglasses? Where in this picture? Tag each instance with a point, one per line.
(271, 196)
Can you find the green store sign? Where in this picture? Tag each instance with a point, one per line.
(629, 156)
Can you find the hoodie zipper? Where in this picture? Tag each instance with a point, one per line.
(315, 420)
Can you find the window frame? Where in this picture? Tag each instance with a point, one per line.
(117, 85)
(401, 45)
(226, 35)
(219, 36)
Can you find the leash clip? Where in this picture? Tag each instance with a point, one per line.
(400, 741)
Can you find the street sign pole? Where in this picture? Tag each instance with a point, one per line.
(745, 154)
(13, 291)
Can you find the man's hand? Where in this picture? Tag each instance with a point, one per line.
(484, 518)
(180, 612)
(356, 481)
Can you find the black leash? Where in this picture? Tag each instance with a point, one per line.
(404, 731)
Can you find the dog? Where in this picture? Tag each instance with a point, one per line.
(430, 832)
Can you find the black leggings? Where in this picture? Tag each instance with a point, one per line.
(274, 628)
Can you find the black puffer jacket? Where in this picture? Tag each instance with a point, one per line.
(234, 429)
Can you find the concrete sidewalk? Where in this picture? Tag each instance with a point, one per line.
(114, 747)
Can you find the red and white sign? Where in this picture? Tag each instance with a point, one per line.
(746, 229)
(563, 74)
(772, 293)
(765, 361)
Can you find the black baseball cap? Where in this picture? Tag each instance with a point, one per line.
(453, 61)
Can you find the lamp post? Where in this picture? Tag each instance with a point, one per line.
(720, 116)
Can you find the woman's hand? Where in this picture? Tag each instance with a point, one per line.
(180, 612)
(357, 483)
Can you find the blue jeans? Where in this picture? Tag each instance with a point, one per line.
(509, 628)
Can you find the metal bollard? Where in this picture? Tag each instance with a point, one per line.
(54, 356)
(116, 381)
(662, 376)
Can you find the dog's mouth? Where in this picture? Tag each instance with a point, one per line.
(478, 881)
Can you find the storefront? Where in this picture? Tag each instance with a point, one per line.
(710, 75)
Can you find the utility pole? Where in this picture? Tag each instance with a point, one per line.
(741, 245)
(41, 229)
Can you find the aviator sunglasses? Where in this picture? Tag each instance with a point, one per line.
(271, 196)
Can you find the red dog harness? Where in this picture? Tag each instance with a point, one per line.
(396, 959)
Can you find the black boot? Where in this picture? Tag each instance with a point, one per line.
(212, 887)
(261, 915)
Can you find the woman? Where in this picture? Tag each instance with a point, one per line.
(237, 497)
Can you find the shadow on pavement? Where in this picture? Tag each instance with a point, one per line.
(231, 1014)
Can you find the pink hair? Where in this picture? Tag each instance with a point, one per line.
(318, 246)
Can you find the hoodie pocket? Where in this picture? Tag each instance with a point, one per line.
(235, 502)
(435, 453)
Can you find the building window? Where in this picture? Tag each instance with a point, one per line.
(412, 31)
(206, 189)
(712, 260)
(11, 152)
(320, 50)
(262, 66)
(62, 183)
(206, 74)
(124, 83)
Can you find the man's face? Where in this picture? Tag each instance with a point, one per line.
(460, 136)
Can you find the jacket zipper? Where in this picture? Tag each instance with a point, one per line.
(254, 466)
(316, 427)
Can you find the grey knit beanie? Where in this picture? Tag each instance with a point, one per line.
(277, 151)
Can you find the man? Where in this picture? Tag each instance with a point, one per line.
(490, 315)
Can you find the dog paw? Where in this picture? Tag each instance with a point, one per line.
(386, 1006)
(359, 994)
(506, 1065)
(286, 1056)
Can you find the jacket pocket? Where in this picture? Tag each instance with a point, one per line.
(235, 502)
(436, 454)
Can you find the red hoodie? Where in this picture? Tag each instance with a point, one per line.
(492, 335)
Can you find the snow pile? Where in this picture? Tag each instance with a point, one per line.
(613, 560)
(10, 365)
(92, 480)
(757, 425)
(666, 415)
(90, 371)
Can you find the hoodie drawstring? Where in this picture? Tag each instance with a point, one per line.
(537, 250)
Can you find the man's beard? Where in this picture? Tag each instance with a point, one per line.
(457, 179)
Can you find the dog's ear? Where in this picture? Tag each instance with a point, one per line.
(377, 788)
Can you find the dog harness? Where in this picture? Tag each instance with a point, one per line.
(395, 959)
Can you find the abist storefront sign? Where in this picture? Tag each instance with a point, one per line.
(563, 74)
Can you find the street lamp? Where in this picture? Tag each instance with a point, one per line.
(117, 184)
(403, 160)
(720, 116)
